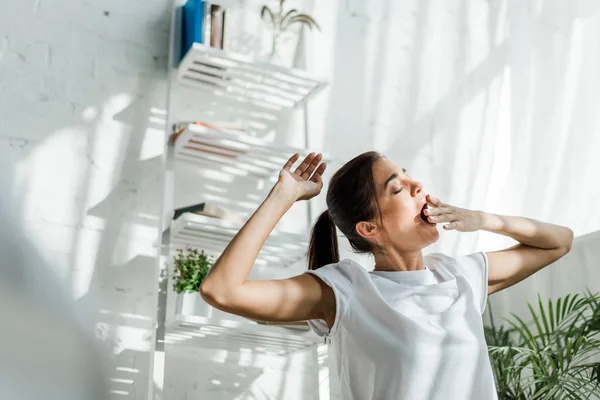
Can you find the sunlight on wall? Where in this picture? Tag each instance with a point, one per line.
(566, 113)
(319, 62)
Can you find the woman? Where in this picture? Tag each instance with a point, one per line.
(412, 328)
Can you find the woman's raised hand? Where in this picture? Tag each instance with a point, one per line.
(305, 182)
(455, 218)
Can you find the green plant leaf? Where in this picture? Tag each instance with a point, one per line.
(544, 319)
(559, 362)
(536, 321)
(301, 19)
(190, 268)
(266, 12)
(551, 315)
(288, 16)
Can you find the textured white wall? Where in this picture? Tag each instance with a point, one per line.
(82, 86)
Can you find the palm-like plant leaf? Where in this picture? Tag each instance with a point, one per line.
(290, 14)
(303, 19)
(551, 360)
(267, 15)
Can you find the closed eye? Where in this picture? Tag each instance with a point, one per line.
(398, 191)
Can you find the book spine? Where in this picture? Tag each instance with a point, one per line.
(192, 24)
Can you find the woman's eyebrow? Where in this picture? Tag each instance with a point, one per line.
(392, 177)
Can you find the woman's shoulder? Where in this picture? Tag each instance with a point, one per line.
(445, 258)
(469, 264)
(345, 266)
(344, 270)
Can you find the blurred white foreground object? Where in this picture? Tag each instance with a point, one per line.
(46, 352)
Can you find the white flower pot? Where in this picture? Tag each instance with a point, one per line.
(193, 304)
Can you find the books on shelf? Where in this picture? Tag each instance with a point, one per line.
(203, 21)
(210, 210)
(219, 126)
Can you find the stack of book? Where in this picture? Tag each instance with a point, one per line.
(203, 22)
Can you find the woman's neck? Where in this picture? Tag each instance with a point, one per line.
(399, 262)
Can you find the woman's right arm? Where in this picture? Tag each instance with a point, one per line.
(298, 298)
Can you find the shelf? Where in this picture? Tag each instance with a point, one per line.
(232, 152)
(213, 333)
(212, 235)
(244, 79)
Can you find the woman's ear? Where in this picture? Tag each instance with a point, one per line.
(367, 230)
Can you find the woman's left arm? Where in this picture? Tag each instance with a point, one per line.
(540, 243)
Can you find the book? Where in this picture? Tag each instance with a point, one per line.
(217, 26)
(236, 127)
(209, 210)
(192, 24)
(202, 22)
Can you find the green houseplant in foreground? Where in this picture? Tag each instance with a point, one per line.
(556, 356)
(190, 269)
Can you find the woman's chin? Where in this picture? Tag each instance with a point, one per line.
(432, 234)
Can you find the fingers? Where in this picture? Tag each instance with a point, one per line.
(308, 165)
(312, 166)
(302, 167)
(452, 225)
(317, 175)
(442, 213)
(438, 211)
(442, 218)
(291, 161)
(434, 201)
(304, 164)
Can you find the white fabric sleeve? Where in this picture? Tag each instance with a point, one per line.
(475, 268)
(339, 277)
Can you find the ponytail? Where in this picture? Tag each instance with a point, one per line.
(323, 248)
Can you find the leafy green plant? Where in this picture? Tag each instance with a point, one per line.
(553, 356)
(190, 269)
(281, 21)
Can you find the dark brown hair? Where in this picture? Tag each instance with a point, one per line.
(351, 198)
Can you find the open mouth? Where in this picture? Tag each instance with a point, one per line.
(423, 216)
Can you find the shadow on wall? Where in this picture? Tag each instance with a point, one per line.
(202, 373)
(89, 195)
(233, 371)
(123, 276)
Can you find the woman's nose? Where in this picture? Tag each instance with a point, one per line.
(416, 188)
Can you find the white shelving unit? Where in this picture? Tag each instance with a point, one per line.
(245, 79)
(253, 85)
(232, 152)
(214, 333)
(213, 234)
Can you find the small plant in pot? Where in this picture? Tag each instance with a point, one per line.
(190, 267)
(281, 21)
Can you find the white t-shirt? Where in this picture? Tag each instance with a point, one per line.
(415, 335)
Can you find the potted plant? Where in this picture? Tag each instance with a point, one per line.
(281, 22)
(557, 356)
(190, 267)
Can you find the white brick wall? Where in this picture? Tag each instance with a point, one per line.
(78, 82)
